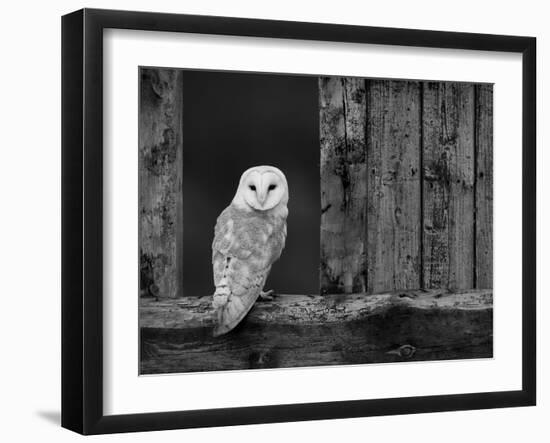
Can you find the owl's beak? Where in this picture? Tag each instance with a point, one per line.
(262, 195)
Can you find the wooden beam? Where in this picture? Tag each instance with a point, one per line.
(302, 330)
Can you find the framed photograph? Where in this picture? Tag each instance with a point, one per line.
(269, 221)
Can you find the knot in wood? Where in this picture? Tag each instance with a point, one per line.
(404, 351)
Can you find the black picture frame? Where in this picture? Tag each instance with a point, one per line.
(82, 219)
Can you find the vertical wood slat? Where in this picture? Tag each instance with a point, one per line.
(160, 182)
(394, 176)
(448, 191)
(484, 186)
(343, 184)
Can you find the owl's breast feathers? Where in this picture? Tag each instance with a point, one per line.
(246, 243)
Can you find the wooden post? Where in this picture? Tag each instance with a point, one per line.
(160, 181)
(484, 186)
(448, 190)
(394, 175)
(343, 184)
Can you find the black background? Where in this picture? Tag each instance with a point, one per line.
(232, 121)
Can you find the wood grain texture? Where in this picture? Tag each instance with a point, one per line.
(160, 181)
(484, 186)
(301, 330)
(343, 184)
(448, 189)
(394, 176)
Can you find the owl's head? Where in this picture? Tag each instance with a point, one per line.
(262, 188)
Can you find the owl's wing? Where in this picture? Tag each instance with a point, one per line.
(241, 261)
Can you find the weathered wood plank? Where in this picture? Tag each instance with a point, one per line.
(343, 186)
(394, 176)
(484, 186)
(448, 190)
(160, 169)
(299, 330)
(195, 312)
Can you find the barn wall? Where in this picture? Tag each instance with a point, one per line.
(406, 185)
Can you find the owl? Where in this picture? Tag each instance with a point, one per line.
(249, 237)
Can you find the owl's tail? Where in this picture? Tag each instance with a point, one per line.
(230, 313)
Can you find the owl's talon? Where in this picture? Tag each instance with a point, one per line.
(267, 295)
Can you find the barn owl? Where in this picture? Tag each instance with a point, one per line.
(249, 237)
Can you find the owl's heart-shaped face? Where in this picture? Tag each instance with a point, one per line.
(262, 188)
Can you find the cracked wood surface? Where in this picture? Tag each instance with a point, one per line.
(342, 111)
(484, 186)
(419, 156)
(449, 184)
(160, 181)
(393, 183)
(302, 330)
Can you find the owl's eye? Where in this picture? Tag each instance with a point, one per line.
(252, 187)
(271, 187)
